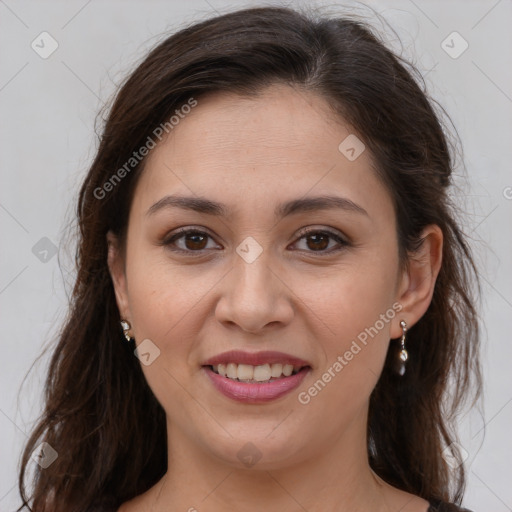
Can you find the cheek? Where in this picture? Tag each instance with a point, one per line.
(350, 298)
(164, 303)
(163, 294)
(355, 306)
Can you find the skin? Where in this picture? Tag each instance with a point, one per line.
(252, 154)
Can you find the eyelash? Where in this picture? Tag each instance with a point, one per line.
(303, 234)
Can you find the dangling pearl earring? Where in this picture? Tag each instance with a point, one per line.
(125, 325)
(402, 355)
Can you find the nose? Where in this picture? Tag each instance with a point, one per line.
(255, 296)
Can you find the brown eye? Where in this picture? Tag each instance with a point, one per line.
(190, 240)
(195, 241)
(319, 241)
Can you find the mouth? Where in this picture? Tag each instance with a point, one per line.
(255, 374)
(255, 378)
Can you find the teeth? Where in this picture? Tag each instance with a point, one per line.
(261, 373)
(222, 370)
(287, 370)
(231, 371)
(276, 370)
(245, 372)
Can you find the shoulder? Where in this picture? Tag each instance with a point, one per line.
(440, 506)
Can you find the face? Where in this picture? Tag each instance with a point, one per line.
(264, 270)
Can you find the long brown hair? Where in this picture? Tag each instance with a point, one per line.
(100, 414)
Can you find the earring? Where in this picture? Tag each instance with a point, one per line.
(402, 355)
(125, 325)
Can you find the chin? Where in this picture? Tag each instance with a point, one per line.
(260, 451)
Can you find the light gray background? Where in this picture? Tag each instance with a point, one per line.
(48, 107)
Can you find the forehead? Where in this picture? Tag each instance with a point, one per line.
(234, 149)
(279, 125)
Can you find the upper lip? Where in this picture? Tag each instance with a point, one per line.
(255, 358)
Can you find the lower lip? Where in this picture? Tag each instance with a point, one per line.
(258, 392)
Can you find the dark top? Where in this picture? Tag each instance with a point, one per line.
(438, 506)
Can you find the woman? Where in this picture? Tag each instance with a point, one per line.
(273, 292)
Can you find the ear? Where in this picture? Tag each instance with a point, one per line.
(417, 283)
(116, 265)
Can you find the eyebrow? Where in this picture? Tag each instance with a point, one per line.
(209, 207)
